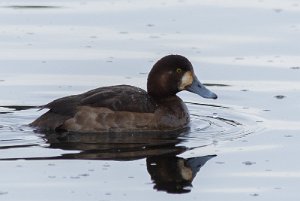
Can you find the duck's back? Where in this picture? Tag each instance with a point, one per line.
(101, 109)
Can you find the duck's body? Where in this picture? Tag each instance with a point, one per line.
(126, 108)
(119, 108)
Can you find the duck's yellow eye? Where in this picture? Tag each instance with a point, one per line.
(178, 70)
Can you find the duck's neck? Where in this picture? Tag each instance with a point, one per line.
(161, 99)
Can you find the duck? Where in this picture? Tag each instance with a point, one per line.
(125, 108)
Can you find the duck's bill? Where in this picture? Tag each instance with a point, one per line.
(198, 88)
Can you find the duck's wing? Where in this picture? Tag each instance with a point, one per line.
(60, 110)
(120, 98)
(66, 105)
(116, 98)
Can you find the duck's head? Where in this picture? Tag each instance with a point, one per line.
(172, 74)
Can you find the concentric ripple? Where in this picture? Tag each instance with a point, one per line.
(215, 123)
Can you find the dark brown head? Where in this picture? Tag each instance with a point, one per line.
(174, 73)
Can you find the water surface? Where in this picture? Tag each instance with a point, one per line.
(239, 147)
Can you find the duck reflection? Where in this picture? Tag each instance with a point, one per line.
(168, 172)
(174, 174)
(115, 146)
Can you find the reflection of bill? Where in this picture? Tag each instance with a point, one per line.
(174, 174)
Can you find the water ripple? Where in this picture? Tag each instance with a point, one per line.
(210, 124)
(215, 123)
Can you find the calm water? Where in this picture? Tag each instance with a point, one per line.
(242, 146)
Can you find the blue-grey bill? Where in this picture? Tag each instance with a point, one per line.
(196, 163)
(200, 89)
